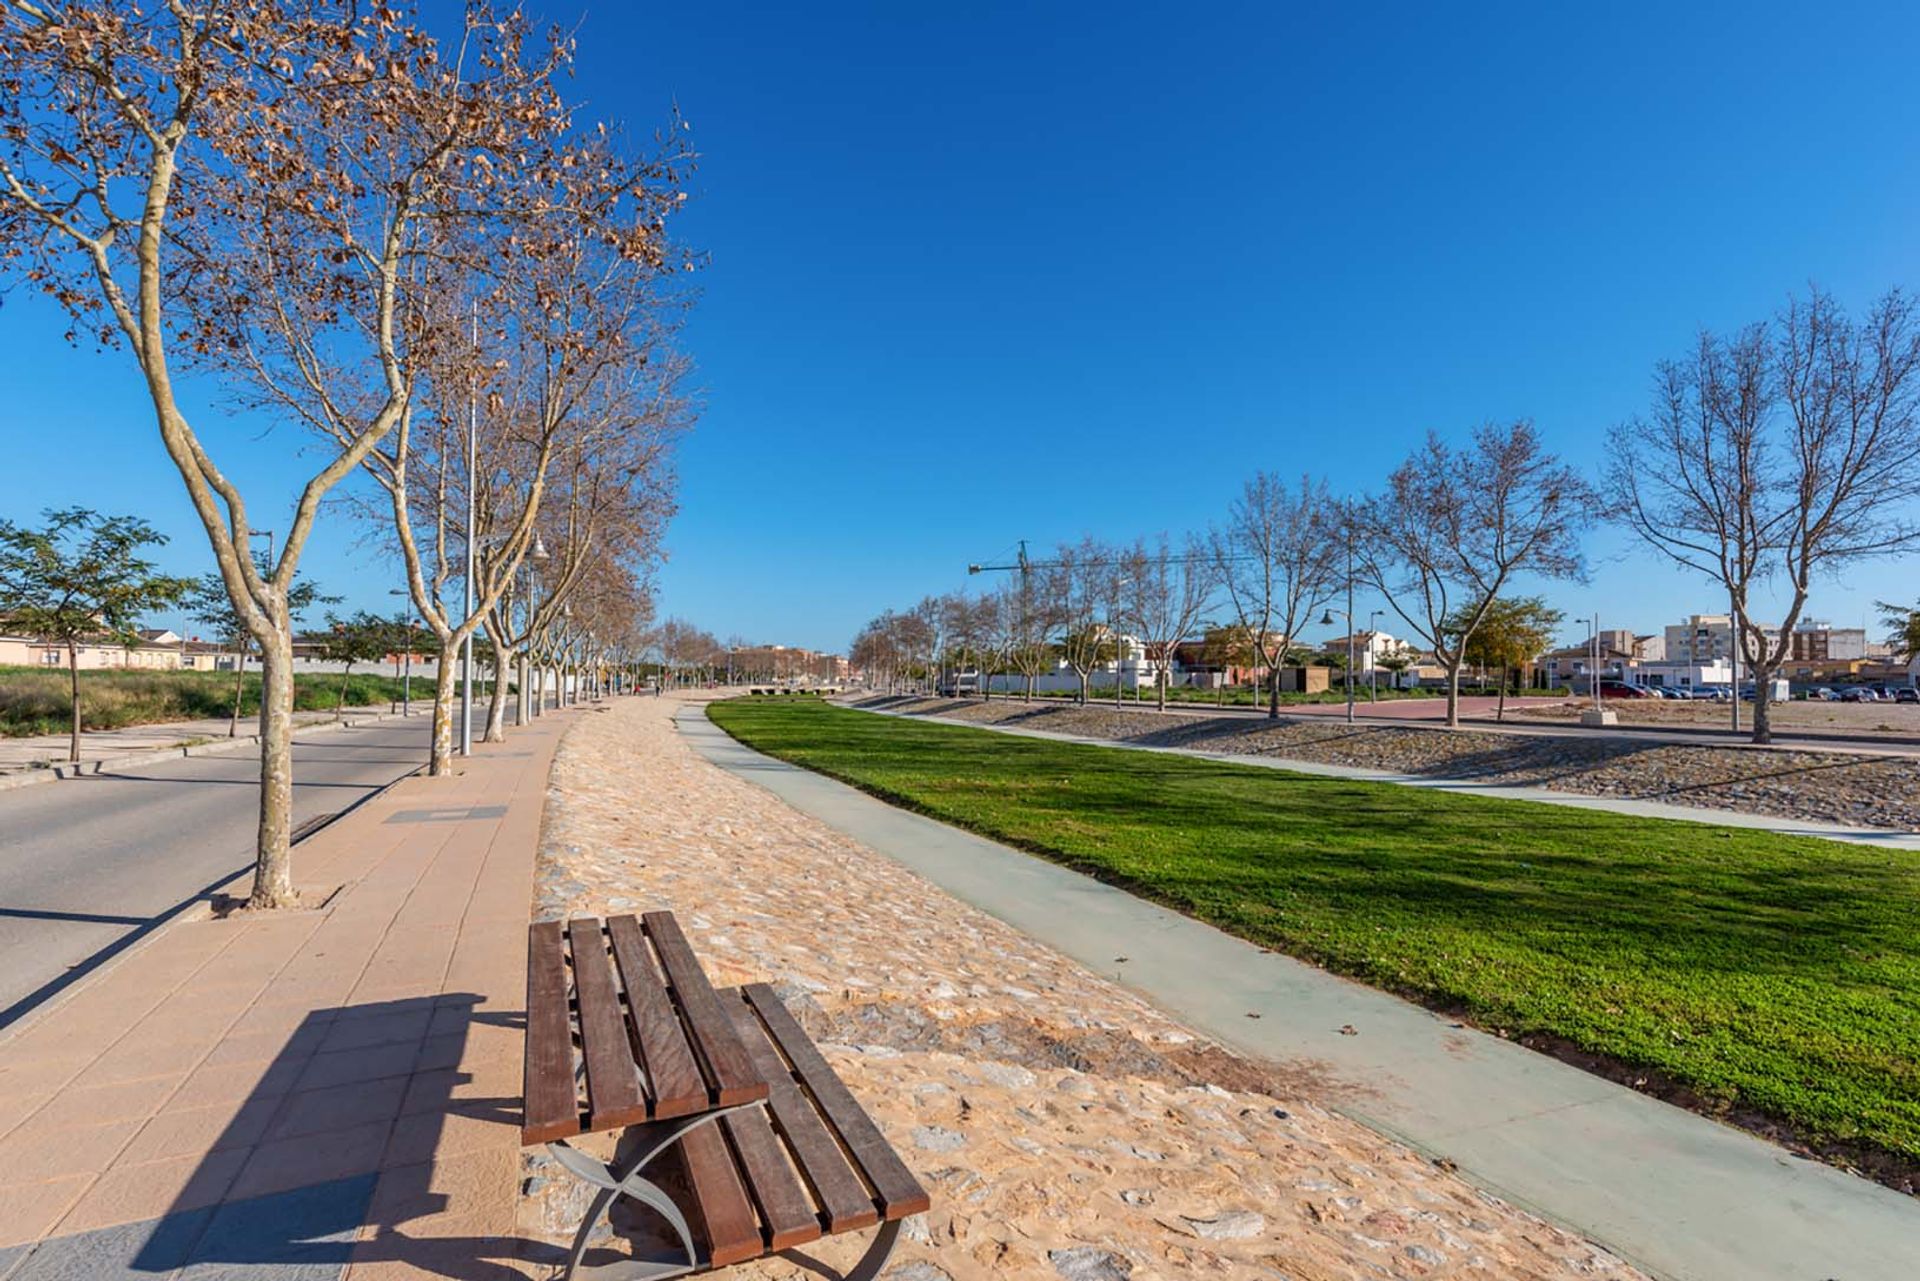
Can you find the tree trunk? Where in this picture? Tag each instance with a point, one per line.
(73, 680)
(1273, 692)
(1453, 692)
(1505, 673)
(273, 865)
(1762, 707)
(497, 703)
(1163, 686)
(440, 755)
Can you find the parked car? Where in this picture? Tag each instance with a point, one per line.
(1856, 694)
(1824, 694)
(1906, 694)
(1620, 689)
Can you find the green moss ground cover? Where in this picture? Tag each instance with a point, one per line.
(1766, 973)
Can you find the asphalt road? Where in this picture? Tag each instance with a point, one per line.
(88, 865)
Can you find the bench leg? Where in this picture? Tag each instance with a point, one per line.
(871, 1264)
(623, 1178)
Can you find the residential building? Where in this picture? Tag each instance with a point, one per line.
(98, 653)
(1369, 648)
(1818, 641)
(1701, 638)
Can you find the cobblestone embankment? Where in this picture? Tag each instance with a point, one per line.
(1824, 787)
(1065, 1128)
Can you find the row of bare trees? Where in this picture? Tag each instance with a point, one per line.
(410, 246)
(1441, 542)
(1771, 461)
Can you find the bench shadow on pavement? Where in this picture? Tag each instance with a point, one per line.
(329, 1160)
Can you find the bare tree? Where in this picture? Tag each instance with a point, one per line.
(179, 175)
(1455, 526)
(1276, 559)
(1167, 597)
(1025, 623)
(1077, 587)
(1780, 455)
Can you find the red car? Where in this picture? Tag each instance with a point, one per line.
(1620, 689)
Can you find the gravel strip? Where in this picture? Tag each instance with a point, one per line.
(1065, 1128)
(1826, 787)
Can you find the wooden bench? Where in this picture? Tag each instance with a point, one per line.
(625, 1032)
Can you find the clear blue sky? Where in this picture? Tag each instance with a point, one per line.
(988, 272)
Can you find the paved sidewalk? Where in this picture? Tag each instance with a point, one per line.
(44, 754)
(1675, 1193)
(296, 1094)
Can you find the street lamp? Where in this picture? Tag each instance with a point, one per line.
(406, 682)
(1373, 656)
(534, 556)
(1326, 620)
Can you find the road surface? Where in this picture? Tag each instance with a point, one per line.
(89, 865)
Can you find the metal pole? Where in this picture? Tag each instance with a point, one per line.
(1597, 705)
(406, 682)
(1349, 624)
(1733, 657)
(466, 646)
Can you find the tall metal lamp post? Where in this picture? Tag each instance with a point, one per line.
(1326, 620)
(1373, 657)
(406, 681)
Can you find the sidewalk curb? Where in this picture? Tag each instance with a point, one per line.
(29, 775)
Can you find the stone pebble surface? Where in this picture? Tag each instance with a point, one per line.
(1065, 1128)
(1851, 788)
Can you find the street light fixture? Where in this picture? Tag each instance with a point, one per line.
(1373, 655)
(406, 681)
(1326, 620)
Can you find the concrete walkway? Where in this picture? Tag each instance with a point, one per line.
(1679, 1195)
(1892, 838)
(297, 1094)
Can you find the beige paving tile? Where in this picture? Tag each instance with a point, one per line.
(55, 1145)
(235, 1083)
(131, 1193)
(28, 1211)
(482, 1181)
(186, 1131)
(122, 1101)
(343, 1067)
(339, 1107)
(295, 1163)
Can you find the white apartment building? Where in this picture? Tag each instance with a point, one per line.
(1702, 638)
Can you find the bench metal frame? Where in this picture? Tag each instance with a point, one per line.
(625, 1178)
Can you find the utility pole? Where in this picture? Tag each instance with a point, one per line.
(466, 646)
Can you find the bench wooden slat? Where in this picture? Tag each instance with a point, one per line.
(552, 1108)
(613, 1084)
(672, 1077)
(720, 1202)
(785, 1205)
(899, 1193)
(843, 1199)
(786, 1211)
(713, 1034)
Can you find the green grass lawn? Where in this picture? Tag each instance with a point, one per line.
(35, 700)
(1764, 972)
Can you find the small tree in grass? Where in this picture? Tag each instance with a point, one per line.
(1510, 635)
(209, 604)
(358, 638)
(82, 577)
